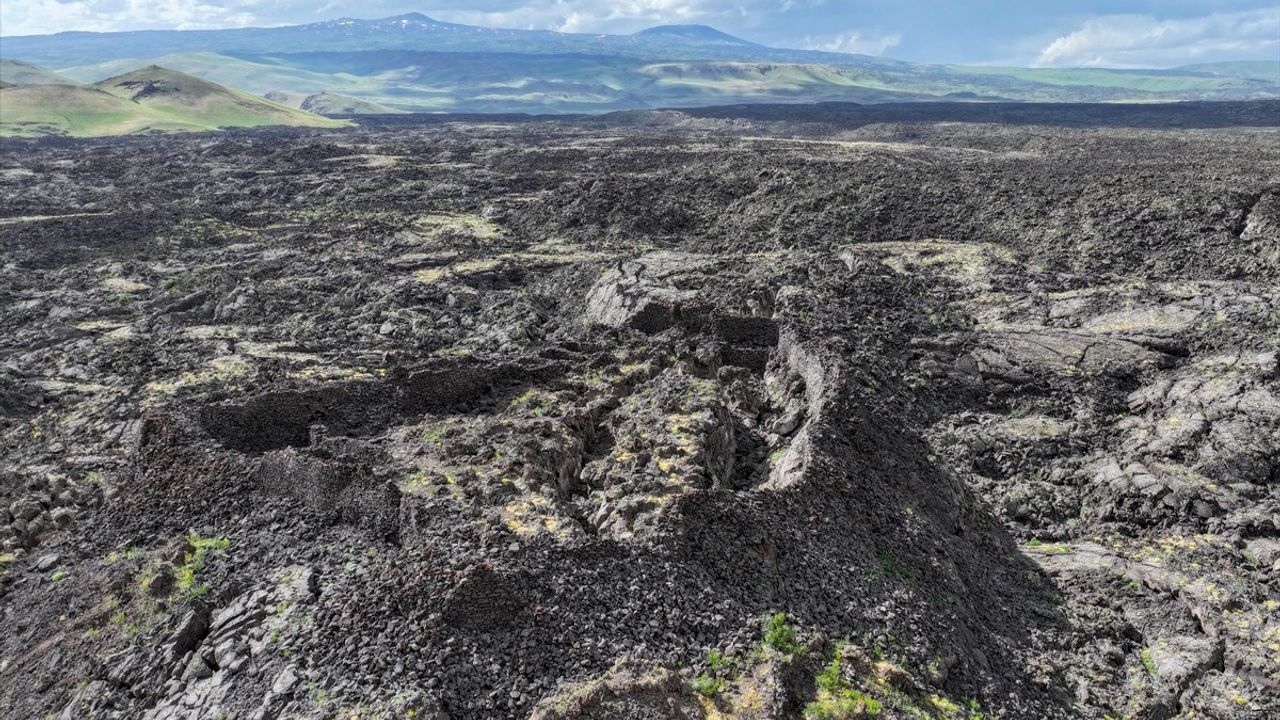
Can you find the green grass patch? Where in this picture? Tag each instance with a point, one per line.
(204, 232)
(194, 562)
(1043, 548)
(535, 402)
(855, 705)
(837, 699)
(708, 686)
(890, 567)
(435, 433)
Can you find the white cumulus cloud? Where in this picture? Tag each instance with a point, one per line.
(1144, 41)
(615, 16)
(854, 42)
(33, 17)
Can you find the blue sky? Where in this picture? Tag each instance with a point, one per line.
(1050, 33)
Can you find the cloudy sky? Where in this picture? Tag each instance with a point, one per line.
(1049, 33)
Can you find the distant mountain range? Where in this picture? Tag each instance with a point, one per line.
(148, 99)
(412, 62)
(413, 31)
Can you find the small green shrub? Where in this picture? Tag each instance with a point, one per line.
(1148, 662)
(708, 686)
(779, 635)
(716, 660)
(829, 679)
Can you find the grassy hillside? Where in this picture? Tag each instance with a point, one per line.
(1145, 81)
(191, 99)
(148, 100)
(754, 77)
(16, 72)
(703, 82)
(78, 111)
(253, 75)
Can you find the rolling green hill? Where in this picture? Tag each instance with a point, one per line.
(1260, 70)
(16, 72)
(1183, 80)
(77, 111)
(502, 82)
(151, 99)
(194, 99)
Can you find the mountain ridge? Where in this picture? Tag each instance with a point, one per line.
(665, 42)
(704, 33)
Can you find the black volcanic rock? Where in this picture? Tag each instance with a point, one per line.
(759, 411)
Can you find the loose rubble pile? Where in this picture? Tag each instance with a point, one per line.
(650, 416)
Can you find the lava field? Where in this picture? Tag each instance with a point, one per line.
(752, 413)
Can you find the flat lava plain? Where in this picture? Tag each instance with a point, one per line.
(752, 412)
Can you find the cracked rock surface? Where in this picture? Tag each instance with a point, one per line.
(656, 415)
